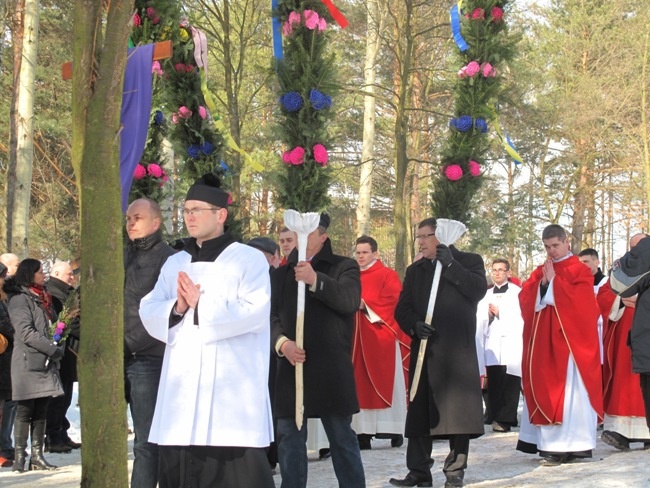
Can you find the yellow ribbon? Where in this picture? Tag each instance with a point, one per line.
(221, 127)
(512, 152)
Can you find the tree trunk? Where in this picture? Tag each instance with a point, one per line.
(367, 150)
(97, 83)
(19, 180)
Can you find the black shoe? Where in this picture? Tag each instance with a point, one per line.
(616, 440)
(59, 448)
(498, 427)
(410, 480)
(364, 442)
(324, 453)
(72, 444)
(454, 481)
(552, 460)
(397, 440)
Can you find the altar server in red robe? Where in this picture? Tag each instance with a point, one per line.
(380, 351)
(561, 372)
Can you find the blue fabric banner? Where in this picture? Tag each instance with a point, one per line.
(136, 110)
(277, 33)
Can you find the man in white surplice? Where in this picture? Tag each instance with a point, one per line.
(211, 307)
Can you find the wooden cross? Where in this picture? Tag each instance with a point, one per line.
(161, 50)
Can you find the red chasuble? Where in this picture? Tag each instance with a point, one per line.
(373, 350)
(621, 391)
(550, 335)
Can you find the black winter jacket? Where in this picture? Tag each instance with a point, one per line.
(143, 259)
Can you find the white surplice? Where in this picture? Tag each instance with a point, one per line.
(214, 385)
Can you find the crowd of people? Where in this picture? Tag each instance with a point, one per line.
(227, 376)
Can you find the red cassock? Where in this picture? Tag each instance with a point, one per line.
(550, 335)
(373, 350)
(621, 388)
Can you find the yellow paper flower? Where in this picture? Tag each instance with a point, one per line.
(183, 34)
(165, 33)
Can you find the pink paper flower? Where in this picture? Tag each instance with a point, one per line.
(155, 170)
(179, 67)
(487, 69)
(478, 14)
(203, 113)
(151, 12)
(230, 200)
(286, 157)
(453, 172)
(474, 168)
(136, 20)
(311, 19)
(140, 172)
(163, 180)
(472, 68)
(322, 24)
(297, 155)
(189, 68)
(155, 68)
(184, 112)
(175, 118)
(320, 154)
(287, 29)
(294, 19)
(497, 14)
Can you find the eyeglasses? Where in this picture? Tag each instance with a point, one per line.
(499, 270)
(198, 210)
(424, 236)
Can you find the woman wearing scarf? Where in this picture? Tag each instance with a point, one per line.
(34, 365)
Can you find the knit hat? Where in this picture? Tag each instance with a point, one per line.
(208, 189)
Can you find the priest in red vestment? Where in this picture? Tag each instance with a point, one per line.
(561, 373)
(623, 402)
(380, 353)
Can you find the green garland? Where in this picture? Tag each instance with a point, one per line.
(477, 90)
(306, 87)
(179, 113)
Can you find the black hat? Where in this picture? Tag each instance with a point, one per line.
(3, 271)
(324, 220)
(208, 189)
(264, 244)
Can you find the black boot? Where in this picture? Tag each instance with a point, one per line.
(37, 461)
(21, 431)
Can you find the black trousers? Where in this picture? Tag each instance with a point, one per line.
(645, 390)
(502, 395)
(418, 455)
(214, 467)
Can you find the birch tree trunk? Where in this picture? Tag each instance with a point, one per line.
(19, 178)
(373, 43)
(101, 31)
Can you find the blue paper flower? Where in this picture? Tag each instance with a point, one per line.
(464, 123)
(224, 166)
(292, 101)
(481, 124)
(207, 148)
(194, 151)
(319, 100)
(57, 337)
(158, 117)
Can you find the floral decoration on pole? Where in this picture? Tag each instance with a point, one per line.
(484, 47)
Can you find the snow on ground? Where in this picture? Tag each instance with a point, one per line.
(493, 463)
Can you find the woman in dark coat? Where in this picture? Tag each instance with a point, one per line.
(34, 364)
(5, 358)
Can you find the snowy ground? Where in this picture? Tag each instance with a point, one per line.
(493, 463)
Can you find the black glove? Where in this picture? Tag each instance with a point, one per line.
(423, 330)
(58, 354)
(443, 254)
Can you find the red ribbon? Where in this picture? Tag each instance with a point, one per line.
(336, 14)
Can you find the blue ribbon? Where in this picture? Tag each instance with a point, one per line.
(277, 33)
(514, 153)
(455, 29)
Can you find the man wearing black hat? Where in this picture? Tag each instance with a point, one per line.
(211, 308)
(270, 249)
(332, 298)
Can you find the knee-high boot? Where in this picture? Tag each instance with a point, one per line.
(21, 431)
(37, 461)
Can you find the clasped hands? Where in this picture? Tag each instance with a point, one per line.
(188, 293)
(548, 272)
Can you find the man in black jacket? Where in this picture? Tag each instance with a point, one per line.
(60, 287)
(144, 256)
(332, 298)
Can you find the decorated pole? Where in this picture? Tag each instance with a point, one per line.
(484, 47)
(306, 79)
